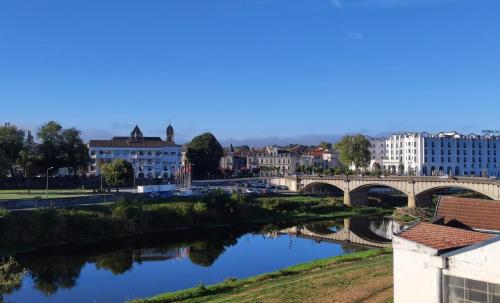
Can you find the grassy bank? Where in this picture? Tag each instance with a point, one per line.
(35, 228)
(359, 277)
(17, 194)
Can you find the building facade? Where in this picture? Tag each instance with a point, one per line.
(274, 159)
(234, 163)
(320, 158)
(151, 157)
(445, 153)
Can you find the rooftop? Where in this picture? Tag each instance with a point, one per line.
(443, 238)
(472, 213)
(136, 139)
(125, 142)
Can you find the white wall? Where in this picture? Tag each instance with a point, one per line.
(155, 188)
(417, 272)
(480, 262)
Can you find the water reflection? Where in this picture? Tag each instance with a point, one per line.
(148, 265)
(362, 231)
(60, 267)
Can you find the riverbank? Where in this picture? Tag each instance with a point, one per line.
(359, 277)
(31, 229)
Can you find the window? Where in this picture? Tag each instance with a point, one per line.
(465, 290)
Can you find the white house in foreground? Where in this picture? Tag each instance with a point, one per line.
(440, 263)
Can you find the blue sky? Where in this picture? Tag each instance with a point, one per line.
(251, 70)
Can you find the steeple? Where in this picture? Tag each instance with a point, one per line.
(136, 134)
(170, 133)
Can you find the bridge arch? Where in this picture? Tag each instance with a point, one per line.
(323, 187)
(424, 197)
(371, 184)
(359, 194)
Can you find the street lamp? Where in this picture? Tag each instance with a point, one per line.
(47, 184)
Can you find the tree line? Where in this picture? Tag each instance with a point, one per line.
(56, 147)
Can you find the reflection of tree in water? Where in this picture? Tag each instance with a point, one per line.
(205, 252)
(52, 269)
(118, 262)
(11, 275)
(50, 273)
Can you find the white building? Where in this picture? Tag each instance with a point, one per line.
(273, 158)
(455, 262)
(151, 157)
(451, 153)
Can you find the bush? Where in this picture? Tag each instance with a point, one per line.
(3, 213)
(11, 274)
(282, 205)
(200, 208)
(129, 213)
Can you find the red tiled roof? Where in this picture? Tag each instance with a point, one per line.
(474, 213)
(443, 238)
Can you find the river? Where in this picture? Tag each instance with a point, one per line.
(124, 269)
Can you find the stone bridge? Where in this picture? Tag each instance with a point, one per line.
(418, 189)
(352, 232)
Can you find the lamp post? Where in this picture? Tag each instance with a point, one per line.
(47, 184)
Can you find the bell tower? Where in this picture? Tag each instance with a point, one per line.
(170, 133)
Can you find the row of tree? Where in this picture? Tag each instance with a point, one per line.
(56, 147)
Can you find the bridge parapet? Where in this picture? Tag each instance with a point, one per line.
(409, 185)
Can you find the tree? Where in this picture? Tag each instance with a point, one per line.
(204, 153)
(117, 173)
(62, 147)
(354, 150)
(377, 169)
(75, 153)
(50, 135)
(29, 160)
(11, 143)
(4, 163)
(325, 145)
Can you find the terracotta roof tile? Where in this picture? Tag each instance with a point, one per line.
(474, 213)
(443, 238)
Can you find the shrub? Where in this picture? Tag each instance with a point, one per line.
(200, 208)
(3, 213)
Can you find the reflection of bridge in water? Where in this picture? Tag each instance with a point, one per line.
(359, 231)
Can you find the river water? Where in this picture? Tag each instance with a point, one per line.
(124, 269)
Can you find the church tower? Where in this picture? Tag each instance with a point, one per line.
(170, 133)
(136, 135)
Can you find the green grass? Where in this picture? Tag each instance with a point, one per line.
(233, 290)
(17, 194)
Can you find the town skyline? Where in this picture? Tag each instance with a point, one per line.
(124, 129)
